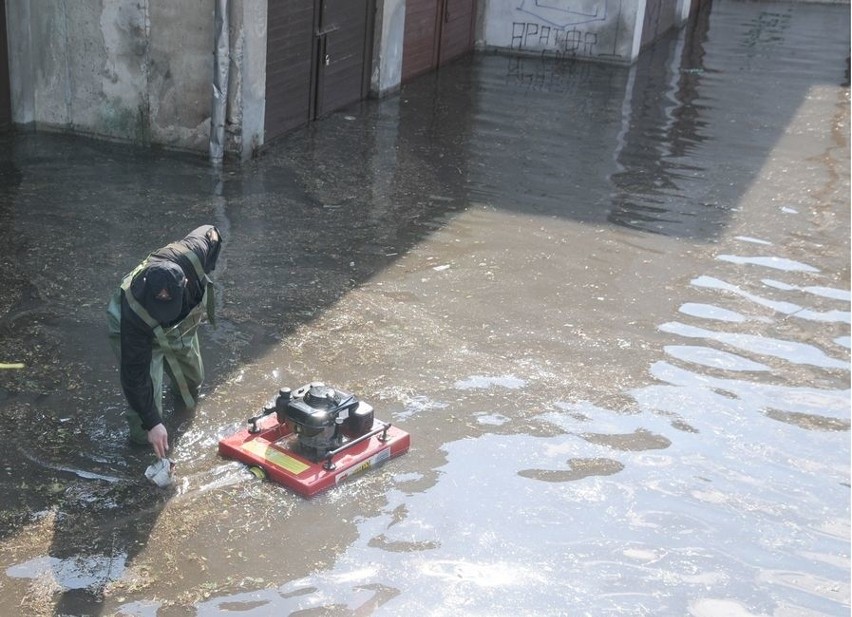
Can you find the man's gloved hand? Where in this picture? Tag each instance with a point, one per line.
(158, 437)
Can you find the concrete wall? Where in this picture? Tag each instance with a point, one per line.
(180, 69)
(135, 70)
(600, 30)
(246, 77)
(143, 70)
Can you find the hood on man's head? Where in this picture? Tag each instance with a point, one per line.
(164, 285)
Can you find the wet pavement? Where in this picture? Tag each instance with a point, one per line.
(610, 305)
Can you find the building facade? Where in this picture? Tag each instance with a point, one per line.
(224, 77)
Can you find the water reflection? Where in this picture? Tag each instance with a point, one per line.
(786, 308)
(713, 358)
(791, 351)
(708, 311)
(664, 121)
(778, 263)
(78, 572)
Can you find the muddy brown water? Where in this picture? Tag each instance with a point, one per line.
(610, 305)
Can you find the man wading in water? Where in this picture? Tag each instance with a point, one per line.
(153, 325)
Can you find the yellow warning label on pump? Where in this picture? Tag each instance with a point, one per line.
(276, 457)
(377, 458)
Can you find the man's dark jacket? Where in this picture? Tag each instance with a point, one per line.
(137, 338)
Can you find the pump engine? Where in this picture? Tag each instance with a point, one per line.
(319, 437)
(322, 418)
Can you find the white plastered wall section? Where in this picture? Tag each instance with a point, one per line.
(594, 30)
(388, 40)
(136, 70)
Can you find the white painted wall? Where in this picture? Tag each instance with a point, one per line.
(388, 38)
(597, 30)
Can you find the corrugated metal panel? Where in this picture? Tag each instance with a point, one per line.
(5, 100)
(289, 65)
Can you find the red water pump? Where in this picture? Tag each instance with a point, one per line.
(314, 437)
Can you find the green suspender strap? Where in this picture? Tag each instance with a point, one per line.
(203, 279)
(163, 340)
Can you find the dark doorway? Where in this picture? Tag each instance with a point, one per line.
(316, 60)
(436, 32)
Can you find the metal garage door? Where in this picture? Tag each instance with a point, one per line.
(419, 51)
(289, 65)
(343, 34)
(5, 103)
(316, 60)
(436, 31)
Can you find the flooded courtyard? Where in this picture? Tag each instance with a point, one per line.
(610, 305)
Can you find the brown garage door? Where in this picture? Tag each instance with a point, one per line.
(343, 32)
(316, 60)
(419, 51)
(5, 103)
(289, 65)
(436, 31)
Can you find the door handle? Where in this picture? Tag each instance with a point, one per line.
(324, 55)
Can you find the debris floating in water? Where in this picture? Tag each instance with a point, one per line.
(160, 473)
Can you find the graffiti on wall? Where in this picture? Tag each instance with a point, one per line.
(557, 41)
(564, 28)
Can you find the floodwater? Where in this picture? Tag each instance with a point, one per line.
(611, 306)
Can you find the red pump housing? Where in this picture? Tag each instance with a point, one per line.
(313, 439)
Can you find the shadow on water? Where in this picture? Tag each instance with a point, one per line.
(75, 215)
(318, 215)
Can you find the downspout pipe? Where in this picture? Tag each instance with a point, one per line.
(221, 66)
